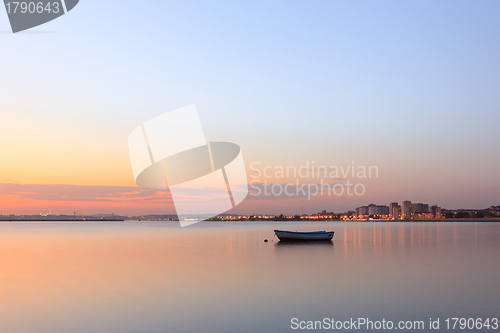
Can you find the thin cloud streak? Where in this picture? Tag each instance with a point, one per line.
(58, 192)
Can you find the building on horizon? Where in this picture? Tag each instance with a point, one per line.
(435, 212)
(394, 210)
(406, 210)
(419, 208)
(372, 210)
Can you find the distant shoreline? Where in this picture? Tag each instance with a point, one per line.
(235, 221)
(435, 220)
(62, 220)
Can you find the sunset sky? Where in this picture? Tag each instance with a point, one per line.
(411, 87)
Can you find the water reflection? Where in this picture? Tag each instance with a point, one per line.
(223, 277)
(304, 244)
(374, 236)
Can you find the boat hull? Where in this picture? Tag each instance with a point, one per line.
(294, 236)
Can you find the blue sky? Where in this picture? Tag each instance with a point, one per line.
(410, 86)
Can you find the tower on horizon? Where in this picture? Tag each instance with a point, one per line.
(406, 210)
(394, 210)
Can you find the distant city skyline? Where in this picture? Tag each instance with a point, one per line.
(407, 210)
(372, 212)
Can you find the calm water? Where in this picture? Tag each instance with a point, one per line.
(222, 277)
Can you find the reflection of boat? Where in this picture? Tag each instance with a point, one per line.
(290, 236)
(303, 244)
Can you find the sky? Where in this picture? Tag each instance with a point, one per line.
(410, 87)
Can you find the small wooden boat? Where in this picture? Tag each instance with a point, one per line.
(290, 236)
